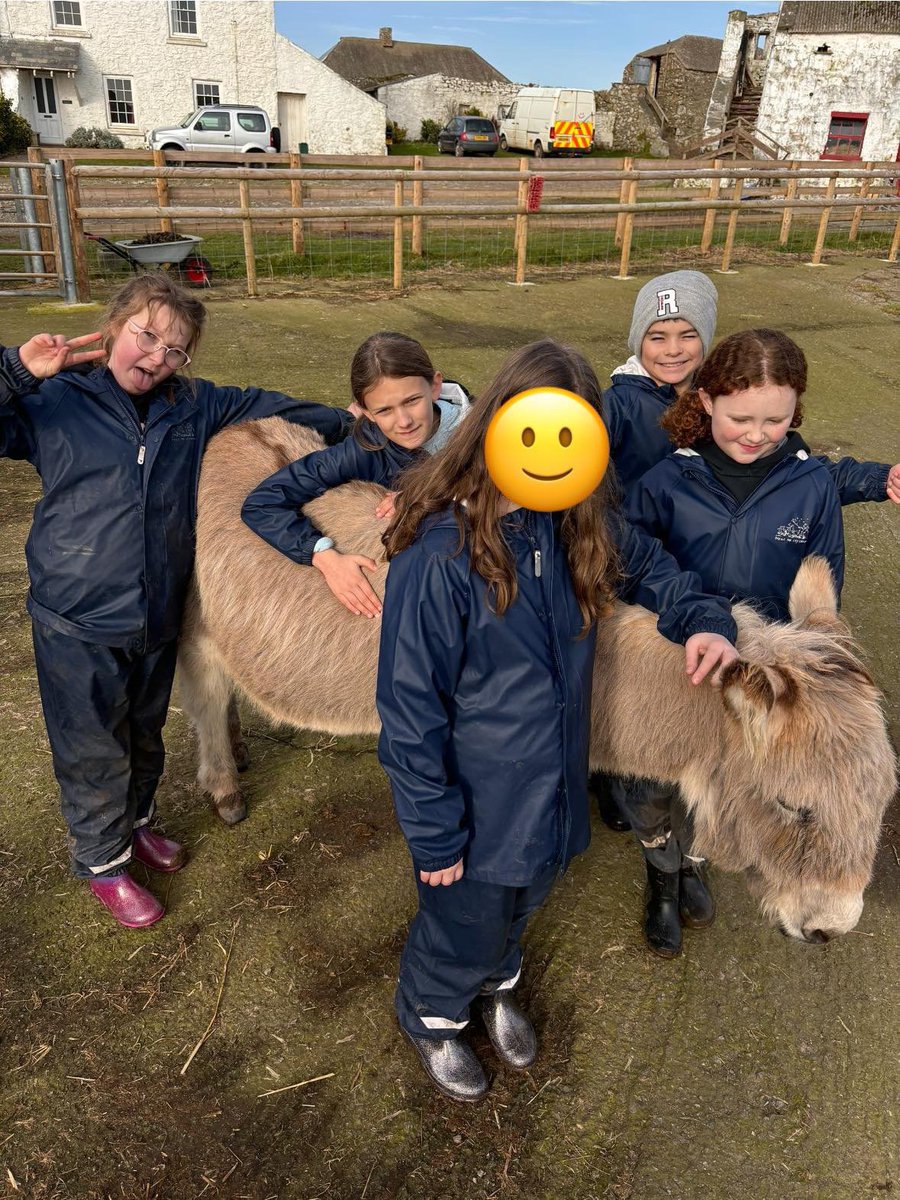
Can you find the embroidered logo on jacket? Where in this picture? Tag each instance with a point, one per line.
(796, 530)
(667, 303)
(184, 430)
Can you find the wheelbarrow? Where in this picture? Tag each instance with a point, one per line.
(176, 252)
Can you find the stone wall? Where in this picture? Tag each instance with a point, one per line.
(439, 97)
(859, 74)
(635, 127)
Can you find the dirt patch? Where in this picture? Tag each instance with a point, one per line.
(711, 1076)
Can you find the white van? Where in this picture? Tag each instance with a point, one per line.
(549, 121)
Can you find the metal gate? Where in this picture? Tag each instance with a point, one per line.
(35, 249)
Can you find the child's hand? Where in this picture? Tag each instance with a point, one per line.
(385, 507)
(48, 353)
(344, 575)
(893, 484)
(443, 878)
(705, 651)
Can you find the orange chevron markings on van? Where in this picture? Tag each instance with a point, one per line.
(573, 135)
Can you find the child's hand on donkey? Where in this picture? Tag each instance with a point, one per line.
(893, 484)
(706, 652)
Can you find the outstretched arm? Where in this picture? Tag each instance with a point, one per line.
(47, 354)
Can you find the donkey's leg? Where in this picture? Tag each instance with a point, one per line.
(208, 697)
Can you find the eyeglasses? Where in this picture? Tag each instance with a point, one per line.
(151, 344)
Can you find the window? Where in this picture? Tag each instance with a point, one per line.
(845, 135)
(760, 48)
(119, 101)
(252, 122)
(205, 93)
(220, 122)
(183, 18)
(66, 13)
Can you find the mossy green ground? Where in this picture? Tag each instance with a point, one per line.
(751, 1067)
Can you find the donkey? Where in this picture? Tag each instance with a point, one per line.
(787, 767)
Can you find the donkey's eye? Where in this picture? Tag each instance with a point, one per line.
(803, 815)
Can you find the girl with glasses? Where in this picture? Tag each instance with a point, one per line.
(110, 556)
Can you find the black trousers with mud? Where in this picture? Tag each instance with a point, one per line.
(463, 941)
(659, 819)
(105, 709)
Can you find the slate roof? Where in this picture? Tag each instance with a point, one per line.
(35, 54)
(696, 53)
(367, 63)
(857, 16)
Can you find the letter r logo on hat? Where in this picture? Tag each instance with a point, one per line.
(666, 303)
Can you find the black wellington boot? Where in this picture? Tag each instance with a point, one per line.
(695, 901)
(607, 805)
(662, 924)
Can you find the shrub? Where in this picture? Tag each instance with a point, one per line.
(400, 134)
(430, 131)
(16, 135)
(94, 139)
(472, 111)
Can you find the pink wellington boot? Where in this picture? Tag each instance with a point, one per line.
(131, 905)
(157, 852)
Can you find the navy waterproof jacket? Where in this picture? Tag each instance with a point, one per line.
(749, 551)
(485, 719)
(111, 548)
(633, 408)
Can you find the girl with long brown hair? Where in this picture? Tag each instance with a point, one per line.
(484, 693)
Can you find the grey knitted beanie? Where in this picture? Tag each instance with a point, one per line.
(680, 295)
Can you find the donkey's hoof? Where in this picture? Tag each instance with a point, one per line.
(232, 808)
(241, 753)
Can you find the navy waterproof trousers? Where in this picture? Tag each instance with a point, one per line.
(105, 709)
(463, 941)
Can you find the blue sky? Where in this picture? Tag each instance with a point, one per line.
(575, 43)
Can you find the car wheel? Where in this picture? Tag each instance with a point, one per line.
(538, 150)
(458, 150)
(504, 145)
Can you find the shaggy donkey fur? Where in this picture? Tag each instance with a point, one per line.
(788, 768)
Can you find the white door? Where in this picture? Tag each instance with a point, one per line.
(292, 121)
(48, 124)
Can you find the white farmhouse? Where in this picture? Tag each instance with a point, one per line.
(129, 67)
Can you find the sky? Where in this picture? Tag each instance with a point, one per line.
(568, 43)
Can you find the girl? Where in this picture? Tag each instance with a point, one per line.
(110, 555)
(484, 691)
(404, 408)
(742, 503)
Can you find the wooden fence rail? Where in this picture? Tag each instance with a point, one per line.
(377, 192)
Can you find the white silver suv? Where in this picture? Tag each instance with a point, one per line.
(232, 128)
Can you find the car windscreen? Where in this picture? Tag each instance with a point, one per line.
(190, 117)
(479, 127)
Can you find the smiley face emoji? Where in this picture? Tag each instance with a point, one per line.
(546, 449)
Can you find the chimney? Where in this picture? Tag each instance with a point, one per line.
(386, 37)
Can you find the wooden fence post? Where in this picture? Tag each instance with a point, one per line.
(73, 199)
(895, 244)
(39, 187)
(247, 229)
(398, 236)
(788, 215)
(709, 219)
(521, 201)
(297, 244)
(816, 260)
(857, 212)
(162, 190)
(627, 231)
(627, 165)
(417, 222)
(725, 268)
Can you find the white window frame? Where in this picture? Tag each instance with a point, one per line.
(115, 79)
(175, 6)
(199, 84)
(75, 6)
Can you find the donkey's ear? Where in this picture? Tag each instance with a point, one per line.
(813, 596)
(752, 694)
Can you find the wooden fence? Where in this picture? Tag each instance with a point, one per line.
(137, 191)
